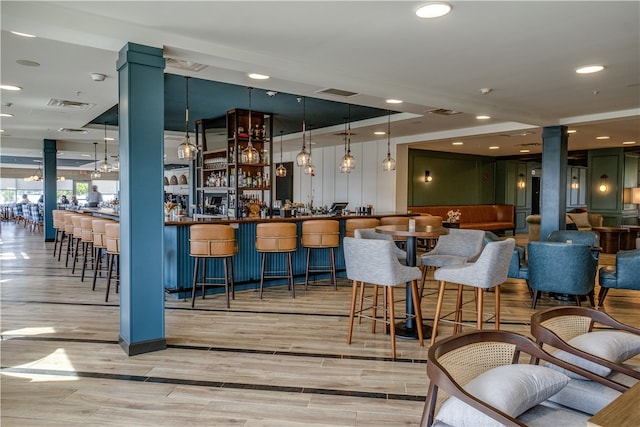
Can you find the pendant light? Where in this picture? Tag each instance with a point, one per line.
(343, 166)
(187, 150)
(37, 176)
(96, 173)
(105, 165)
(115, 166)
(250, 155)
(302, 159)
(348, 161)
(309, 169)
(389, 164)
(281, 171)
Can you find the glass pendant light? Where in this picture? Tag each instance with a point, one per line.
(302, 159)
(250, 155)
(281, 171)
(115, 166)
(343, 166)
(187, 150)
(105, 165)
(37, 176)
(389, 164)
(348, 161)
(309, 169)
(96, 173)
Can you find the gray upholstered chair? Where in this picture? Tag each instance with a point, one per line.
(518, 268)
(374, 261)
(561, 268)
(371, 233)
(488, 271)
(624, 275)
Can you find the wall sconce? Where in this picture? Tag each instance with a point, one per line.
(603, 183)
(574, 183)
(521, 182)
(427, 176)
(635, 196)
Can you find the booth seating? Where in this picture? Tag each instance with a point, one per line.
(212, 241)
(498, 218)
(272, 238)
(321, 234)
(574, 221)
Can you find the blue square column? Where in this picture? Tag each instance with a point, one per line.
(555, 140)
(50, 170)
(141, 121)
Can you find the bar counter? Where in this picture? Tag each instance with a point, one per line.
(178, 265)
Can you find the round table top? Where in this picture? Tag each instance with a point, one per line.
(611, 229)
(420, 231)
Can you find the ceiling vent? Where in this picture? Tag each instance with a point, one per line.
(443, 112)
(529, 144)
(185, 65)
(76, 105)
(71, 130)
(338, 92)
(522, 133)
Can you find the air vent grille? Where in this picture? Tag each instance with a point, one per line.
(76, 105)
(443, 112)
(185, 65)
(338, 92)
(71, 130)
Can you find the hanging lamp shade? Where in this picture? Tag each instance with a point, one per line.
(344, 167)
(281, 171)
(115, 166)
(96, 173)
(348, 161)
(37, 176)
(303, 157)
(389, 163)
(249, 154)
(105, 164)
(309, 169)
(187, 150)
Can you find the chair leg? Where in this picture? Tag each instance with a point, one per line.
(97, 267)
(392, 317)
(577, 298)
(497, 302)
(536, 294)
(332, 261)
(423, 280)
(374, 307)
(75, 255)
(418, 311)
(602, 295)
(195, 281)
(293, 286)
(204, 277)
(62, 237)
(109, 269)
(592, 299)
(226, 282)
(457, 322)
(361, 299)
(262, 262)
(436, 318)
(306, 271)
(233, 285)
(479, 305)
(354, 293)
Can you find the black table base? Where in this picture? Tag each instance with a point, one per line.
(402, 331)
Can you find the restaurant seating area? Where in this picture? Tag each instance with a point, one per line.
(286, 361)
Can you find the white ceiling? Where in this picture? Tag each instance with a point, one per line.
(526, 52)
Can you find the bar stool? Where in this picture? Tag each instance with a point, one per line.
(87, 243)
(428, 220)
(276, 237)
(396, 220)
(99, 245)
(321, 234)
(112, 240)
(76, 220)
(212, 241)
(353, 224)
(68, 230)
(58, 225)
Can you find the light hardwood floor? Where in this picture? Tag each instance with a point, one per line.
(272, 362)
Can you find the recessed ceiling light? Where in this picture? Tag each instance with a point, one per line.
(525, 151)
(628, 142)
(572, 131)
(482, 117)
(6, 115)
(27, 63)
(10, 87)
(22, 34)
(602, 137)
(588, 69)
(109, 139)
(457, 143)
(379, 132)
(434, 9)
(1, 130)
(394, 101)
(494, 147)
(257, 76)
(85, 155)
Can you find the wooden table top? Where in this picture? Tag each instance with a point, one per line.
(420, 230)
(622, 412)
(611, 229)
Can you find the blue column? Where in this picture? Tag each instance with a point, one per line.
(141, 121)
(50, 171)
(554, 179)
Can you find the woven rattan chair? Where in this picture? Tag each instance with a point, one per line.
(452, 363)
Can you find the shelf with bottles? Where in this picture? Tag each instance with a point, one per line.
(252, 177)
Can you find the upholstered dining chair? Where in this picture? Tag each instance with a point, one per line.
(372, 261)
(561, 268)
(518, 268)
(489, 271)
(624, 275)
(576, 237)
(485, 378)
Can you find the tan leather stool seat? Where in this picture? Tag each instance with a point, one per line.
(396, 220)
(87, 243)
(212, 241)
(99, 245)
(321, 234)
(277, 237)
(58, 225)
(353, 224)
(112, 241)
(428, 220)
(76, 220)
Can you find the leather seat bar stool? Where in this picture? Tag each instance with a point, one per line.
(396, 220)
(66, 230)
(112, 241)
(99, 246)
(87, 244)
(212, 241)
(77, 239)
(277, 237)
(69, 228)
(58, 225)
(321, 234)
(353, 224)
(428, 220)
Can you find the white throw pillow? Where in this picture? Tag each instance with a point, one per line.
(513, 389)
(614, 346)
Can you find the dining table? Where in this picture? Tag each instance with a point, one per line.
(407, 328)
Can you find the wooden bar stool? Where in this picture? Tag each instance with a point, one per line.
(65, 235)
(58, 225)
(87, 243)
(353, 224)
(112, 240)
(277, 237)
(321, 234)
(76, 220)
(215, 241)
(99, 246)
(71, 238)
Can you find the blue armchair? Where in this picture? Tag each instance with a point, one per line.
(561, 268)
(589, 238)
(624, 275)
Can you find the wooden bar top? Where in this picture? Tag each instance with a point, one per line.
(191, 221)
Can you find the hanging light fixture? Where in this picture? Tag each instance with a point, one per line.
(348, 161)
(187, 150)
(115, 166)
(303, 158)
(281, 171)
(343, 166)
(309, 169)
(37, 176)
(575, 184)
(105, 165)
(250, 155)
(389, 164)
(96, 173)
